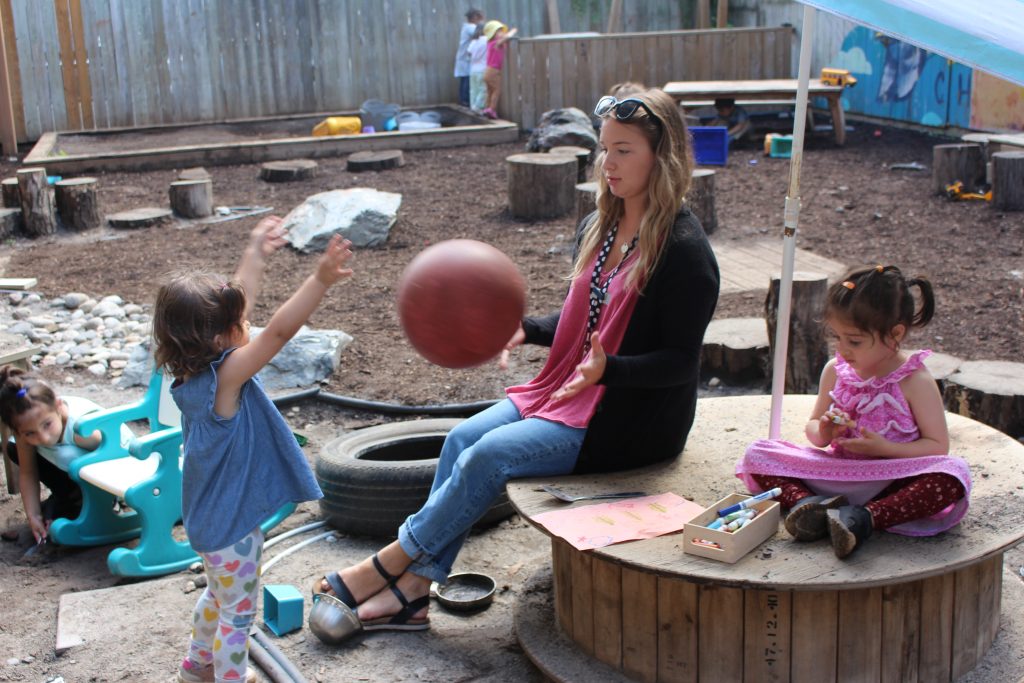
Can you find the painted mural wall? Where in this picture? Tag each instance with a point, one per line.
(897, 80)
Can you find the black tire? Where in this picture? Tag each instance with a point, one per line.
(374, 478)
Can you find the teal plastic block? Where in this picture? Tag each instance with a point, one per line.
(282, 608)
(782, 147)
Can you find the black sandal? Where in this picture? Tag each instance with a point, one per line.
(403, 620)
(342, 592)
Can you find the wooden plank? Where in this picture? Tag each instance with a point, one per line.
(721, 624)
(989, 586)
(582, 601)
(561, 569)
(936, 628)
(81, 71)
(901, 632)
(766, 638)
(966, 620)
(101, 64)
(860, 614)
(62, 14)
(607, 611)
(10, 47)
(678, 612)
(183, 104)
(815, 633)
(122, 57)
(8, 122)
(206, 75)
(18, 283)
(640, 625)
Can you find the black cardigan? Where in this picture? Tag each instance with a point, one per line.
(648, 407)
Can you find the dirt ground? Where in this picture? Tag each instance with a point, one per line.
(855, 210)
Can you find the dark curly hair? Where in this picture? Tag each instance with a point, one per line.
(879, 298)
(191, 310)
(20, 392)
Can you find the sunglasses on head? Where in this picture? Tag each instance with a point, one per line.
(623, 109)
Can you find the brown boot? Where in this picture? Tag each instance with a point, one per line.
(806, 520)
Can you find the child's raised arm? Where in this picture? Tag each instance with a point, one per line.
(267, 237)
(247, 360)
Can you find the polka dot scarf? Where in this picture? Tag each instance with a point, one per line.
(599, 290)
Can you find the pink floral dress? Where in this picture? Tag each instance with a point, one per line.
(876, 404)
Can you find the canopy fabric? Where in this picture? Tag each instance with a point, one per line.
(987, 35)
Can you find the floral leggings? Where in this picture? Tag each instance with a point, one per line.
(226, 609)
(902, 501)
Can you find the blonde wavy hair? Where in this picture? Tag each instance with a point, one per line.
(666, 191)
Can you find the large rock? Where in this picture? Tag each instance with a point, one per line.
(560, 127)
(311, 356)
(361, 214)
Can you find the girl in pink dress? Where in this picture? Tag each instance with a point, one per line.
(878, 428)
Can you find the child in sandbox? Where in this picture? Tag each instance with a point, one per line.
(497, 35)
(241, 461)
(879, 427)
(734, 118)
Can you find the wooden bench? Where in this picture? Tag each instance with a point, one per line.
(771, 90)
(900, 608)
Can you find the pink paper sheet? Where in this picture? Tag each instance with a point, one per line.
(595, 526)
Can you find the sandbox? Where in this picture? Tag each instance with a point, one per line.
(244, 141)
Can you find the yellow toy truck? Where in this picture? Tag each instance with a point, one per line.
(840, 77)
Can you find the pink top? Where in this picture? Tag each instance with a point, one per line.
(877, 404)
(496, 54)
(534, 399)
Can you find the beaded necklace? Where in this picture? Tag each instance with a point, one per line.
(598, 291)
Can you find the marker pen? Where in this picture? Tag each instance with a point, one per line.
(750, 502)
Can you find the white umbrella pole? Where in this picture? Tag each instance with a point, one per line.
(790, 220)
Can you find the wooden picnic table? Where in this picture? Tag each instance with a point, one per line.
(900, 608)
(771, 89)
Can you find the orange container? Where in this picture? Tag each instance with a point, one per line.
(339, 125)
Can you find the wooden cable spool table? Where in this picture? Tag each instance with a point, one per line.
(897, 609)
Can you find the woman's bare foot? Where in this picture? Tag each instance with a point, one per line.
(364, 580)
(386, 604)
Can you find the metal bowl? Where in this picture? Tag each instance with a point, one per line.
(331, 620)
(466, 592)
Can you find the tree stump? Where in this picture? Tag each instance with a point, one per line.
(582, 155)
(941, 366)
(37, 209)
(77, 204)
(197, 173)
(586, 200)
(735, 350)
(140, 218)
(701, 199)
(541, 185)
(287, 171)
(807, 351)
(10, 223)
(11, 194)
(1008, 181)
(375, 161)
(989, 391)
(192, 198)
(963, 162)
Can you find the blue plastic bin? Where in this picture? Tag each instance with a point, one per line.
(282, 608)
(710, 144)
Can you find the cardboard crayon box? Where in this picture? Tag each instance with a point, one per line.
(731, 545)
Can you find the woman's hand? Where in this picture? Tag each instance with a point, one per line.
(518, 337)
(591, 370)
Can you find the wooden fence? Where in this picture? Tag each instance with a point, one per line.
(97, 64)
(548, 73)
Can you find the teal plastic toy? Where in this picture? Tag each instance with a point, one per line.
(147, 476)
(282, 608)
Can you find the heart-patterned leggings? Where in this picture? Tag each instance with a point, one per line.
(226, 609)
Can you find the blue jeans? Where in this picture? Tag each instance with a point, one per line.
(463, 90)
(478, 457)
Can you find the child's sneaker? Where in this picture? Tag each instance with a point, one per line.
(490, 113)
(190, 672)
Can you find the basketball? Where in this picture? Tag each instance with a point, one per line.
(460, 301)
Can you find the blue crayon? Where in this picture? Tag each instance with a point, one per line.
(750, 502)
